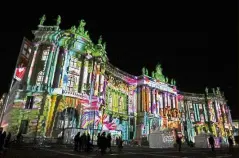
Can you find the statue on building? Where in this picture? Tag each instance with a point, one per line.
(172, 82)
(218, 91)
(153, 75)
(143, 71)
(81, 27)
(86, 34)
(159, 69)
(73, 29)
(213, 90)
(146, 72)
(100, 40)
(166, 79)
(158, 73)
(104, 45)
(42, 19)
(206, 90)
(58, 21)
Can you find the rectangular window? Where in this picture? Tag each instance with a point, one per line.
(24, 126)
(73, 62)
(29, 102)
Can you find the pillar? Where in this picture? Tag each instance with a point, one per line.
(143, 100)
(97, 78)
(53, 67)
(32, 63)
(63, 72)
(101, 88)
(50, 118)
(85, 74)
(169, 100)
(48, 64)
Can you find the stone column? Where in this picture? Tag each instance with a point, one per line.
(32, 61)
(97, 78)
(139, 100)
(50, 118)
(169, 100)
(48, 64)
(85, 74)
(143, 105)
(53, 67)
(63, 72)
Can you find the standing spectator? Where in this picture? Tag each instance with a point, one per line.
(98, 141)
(2, 140)
(179, 142)
(120, 144)
(117, 141)
(84, 141)
(211, 142)
(7, 140)
(19, 137)
(109, 141)
(103, 143)
(230, 141)
(88, 144)
(76, 141)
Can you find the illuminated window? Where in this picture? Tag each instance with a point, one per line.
(29, 102)
(45, 54)
(73, 62)
(71, 83)
(40, 78)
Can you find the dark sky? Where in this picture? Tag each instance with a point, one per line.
(195, 43)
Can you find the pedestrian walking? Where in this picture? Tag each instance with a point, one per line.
(76, 141)
(230, 141)
(120, 144)
(7, 140)
(109, 141)
(98, 141)
(179, 142)
(103, 143)
(211, 142)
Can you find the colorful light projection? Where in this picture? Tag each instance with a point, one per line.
(23, 59)
(106, 122)
(211, 111)
(116, 101)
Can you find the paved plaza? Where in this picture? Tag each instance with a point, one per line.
(128, 152)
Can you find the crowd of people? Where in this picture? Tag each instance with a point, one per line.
(83, 142)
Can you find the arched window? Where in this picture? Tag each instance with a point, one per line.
(45, 54)
(40, 78)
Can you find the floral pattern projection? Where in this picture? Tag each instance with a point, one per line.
(20, 111)
(113, 116)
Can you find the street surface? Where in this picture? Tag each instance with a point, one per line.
(128, 152)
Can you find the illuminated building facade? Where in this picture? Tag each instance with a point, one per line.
(236, 130)
(205, 113)
(64, 82)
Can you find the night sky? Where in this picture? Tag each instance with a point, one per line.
(195, 45)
